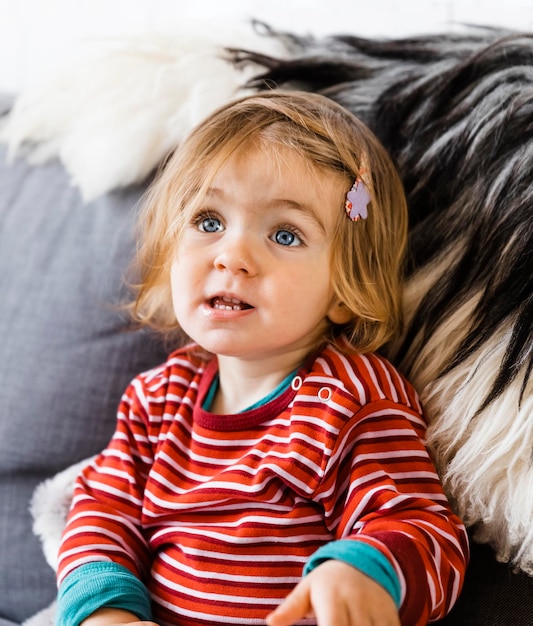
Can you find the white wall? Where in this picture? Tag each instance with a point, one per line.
(37, 36)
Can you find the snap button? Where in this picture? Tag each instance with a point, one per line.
(324, 394)
(296, 383)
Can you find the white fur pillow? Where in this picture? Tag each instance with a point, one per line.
(114, 116)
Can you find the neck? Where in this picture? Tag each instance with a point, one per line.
(243, 383)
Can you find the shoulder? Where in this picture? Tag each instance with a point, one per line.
(343, 398)
(182, 369)
(368, 378)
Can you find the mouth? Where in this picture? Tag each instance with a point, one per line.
(226, 303)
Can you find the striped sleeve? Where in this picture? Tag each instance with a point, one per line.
(105, 517)
(380, 487)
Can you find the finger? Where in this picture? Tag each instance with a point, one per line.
(296, 606)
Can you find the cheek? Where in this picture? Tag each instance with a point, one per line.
(177, 284)
(182, 269)
(174, 290)
(185, 282)
(309, 289)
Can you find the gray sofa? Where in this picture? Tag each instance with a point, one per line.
(67, 353)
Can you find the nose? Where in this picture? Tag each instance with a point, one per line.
(236, 255)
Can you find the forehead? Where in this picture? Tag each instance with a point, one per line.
(278, 174)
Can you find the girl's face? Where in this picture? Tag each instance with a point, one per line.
(251, 278)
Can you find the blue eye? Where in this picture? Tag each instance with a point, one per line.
(210, 225)
(286, 238)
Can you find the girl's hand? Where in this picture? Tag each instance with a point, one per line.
(337, 594)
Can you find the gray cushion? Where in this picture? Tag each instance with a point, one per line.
(66, 353)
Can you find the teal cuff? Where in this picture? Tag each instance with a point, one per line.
(365, 558)
(97, 585)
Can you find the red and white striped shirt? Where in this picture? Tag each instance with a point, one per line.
(217, 514)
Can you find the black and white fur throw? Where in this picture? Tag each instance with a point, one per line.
(456, 114)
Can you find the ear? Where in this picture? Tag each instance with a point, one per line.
(339, 313)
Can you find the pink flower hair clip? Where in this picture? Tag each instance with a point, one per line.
(357, 199)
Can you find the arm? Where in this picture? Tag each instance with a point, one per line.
(103, 556)
(381, 489)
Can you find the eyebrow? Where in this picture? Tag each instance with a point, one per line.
(305, 209)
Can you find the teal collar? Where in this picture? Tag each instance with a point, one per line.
(281, 388)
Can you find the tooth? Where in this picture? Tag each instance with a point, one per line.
(231, 300)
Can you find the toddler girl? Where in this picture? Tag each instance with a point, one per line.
(273, 470)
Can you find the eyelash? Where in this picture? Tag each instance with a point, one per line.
(201, 217)
(290, 228)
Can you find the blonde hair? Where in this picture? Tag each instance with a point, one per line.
(367, 256)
